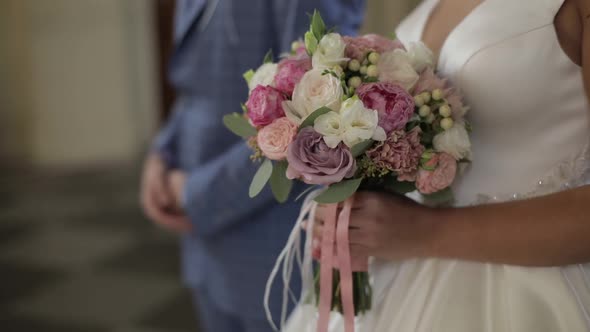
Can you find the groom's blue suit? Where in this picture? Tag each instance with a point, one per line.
(229, 255)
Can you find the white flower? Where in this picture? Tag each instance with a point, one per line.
(396, 67)
(353, 125)
(421, 57)
(330, 52)
(314, 91)
(265, 75)
(454, 141)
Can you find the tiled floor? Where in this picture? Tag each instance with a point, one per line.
(76, 254)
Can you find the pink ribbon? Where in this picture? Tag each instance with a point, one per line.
(335, 233)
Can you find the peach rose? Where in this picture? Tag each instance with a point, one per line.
(443, 175)
(274, 139)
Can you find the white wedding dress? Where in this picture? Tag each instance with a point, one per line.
(531, 121)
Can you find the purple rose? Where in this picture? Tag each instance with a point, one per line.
(265, 105)
(312, 161)
(290, 72)
(394, 104)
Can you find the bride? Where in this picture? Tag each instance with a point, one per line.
(510, 255)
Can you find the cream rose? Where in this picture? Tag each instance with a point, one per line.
(274, 139)
(330, 52)
(264, 76)
(454, 141)
(421, 57)
(312, 92)
(353, 125)
(396, 67)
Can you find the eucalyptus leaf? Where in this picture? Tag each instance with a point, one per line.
(239, 125)
(440, 198)
(260, 178)
(248, 75)
(268, 57)
(399, 187)
(280, 185)
(360, 148)
(339, 192)
(310, 120)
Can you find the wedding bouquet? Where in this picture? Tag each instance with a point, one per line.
(349, 114)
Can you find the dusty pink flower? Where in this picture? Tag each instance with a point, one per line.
(359, 47)
(429, 81)
(400, 153)
(265, 105)
(274, 139)
(290, 72)
(312, 161)
(455, 100)
(394, 104)
(443, 175)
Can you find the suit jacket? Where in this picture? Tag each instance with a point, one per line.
(236, 240)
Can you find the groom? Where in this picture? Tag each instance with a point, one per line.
(197, 176)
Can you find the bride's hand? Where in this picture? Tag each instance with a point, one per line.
(385, 226)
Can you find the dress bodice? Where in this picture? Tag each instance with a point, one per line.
(529, 111)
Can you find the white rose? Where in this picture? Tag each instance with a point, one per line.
(396, 67)
(454, 141)
(420, 56)
(330, 52)
(314, 91)
(353, 125)
(265, 75)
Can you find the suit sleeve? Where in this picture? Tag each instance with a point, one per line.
(216, 193)
(166, 141)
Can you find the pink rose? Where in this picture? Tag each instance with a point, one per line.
(359, 47)
(400, 153)
(394, 104)
(274, 139)
(290, 72)
(265, 105)
(443, 175)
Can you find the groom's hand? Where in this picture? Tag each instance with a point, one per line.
(158, 200)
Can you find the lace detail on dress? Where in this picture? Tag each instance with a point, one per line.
(568, 174)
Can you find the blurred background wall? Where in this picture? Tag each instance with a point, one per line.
(77, 81)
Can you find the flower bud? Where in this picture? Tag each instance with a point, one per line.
(447, 123)
(430, 118)
(374, 58)
(425, 111)
(354, 82)
(363, 70)
(372, 71)
(295, 45)
(437, 94)
(445, 111)
(338, 70)
(419, 101)
(354, 65)
(426, 96)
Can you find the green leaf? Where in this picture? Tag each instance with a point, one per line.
(280, 185)
(318, 27)
(260, 178)
(269, 57)
(399, 187)
(244, 108)
(393, 36)
(369, 79)
(360, 148)
(310, 120)
(338, 192)
(248, 75)
(439, 198)
(239, 125)
(311, 43)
